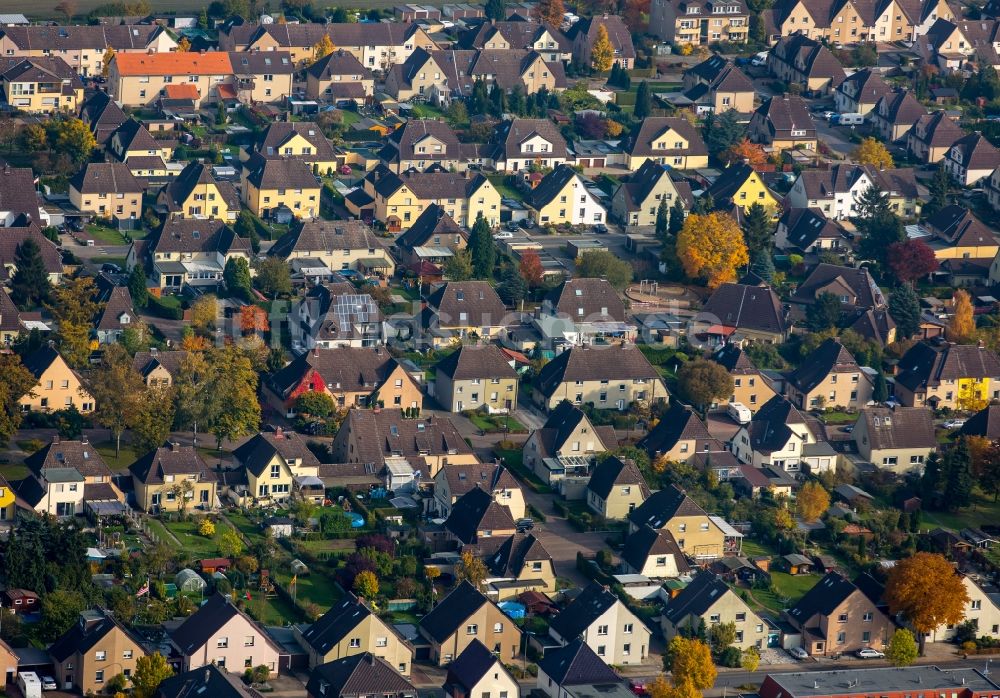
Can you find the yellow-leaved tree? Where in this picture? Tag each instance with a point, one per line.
(603, 53)
(691, 662)
(711, 247)
(323, 47)
(926, 591)
(812, 501)
(874, 153)
(963, 325)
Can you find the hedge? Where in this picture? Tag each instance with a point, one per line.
(169, 312)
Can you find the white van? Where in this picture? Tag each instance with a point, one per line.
(739, 413)
(850, 119)
(29, 683)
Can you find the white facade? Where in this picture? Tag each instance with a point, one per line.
(980, 608)
(788, 457)
(533, 150)
(838, 206)
(617, 636)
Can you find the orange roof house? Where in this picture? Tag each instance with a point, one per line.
(181, 92)
(174, 63)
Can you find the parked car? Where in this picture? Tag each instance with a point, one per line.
(513, 226)
(798, 653)
(892, 402)
(828, 115)
(848, 429)
(524, 525)
(760, 59)
(600, 228)
(869, 653)
(638, 687)
(954, 424)
(111, 268)
(503, 235)
(49, 683)
(527, 223)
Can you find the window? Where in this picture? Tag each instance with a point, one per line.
(127, 654)
(276, 470)
(601, 650)
(100, 655)
(866, 637)
(977, 605)
(99, 676)
(381, 642)
(661, 561)
(248, 641)
(222, 642)
(355, 642)
(868, 617)
(471, 629)
(841, 638)
(627, 629)
(740, 617)
(842, 618)
(627, 649)
(602, 630)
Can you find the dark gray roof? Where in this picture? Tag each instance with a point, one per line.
(859, 281)
(105, 178)
(587, 607)
(612, 472)
(320, 235)
(209, 619)
(696, 598)
(475, 511)
(647, 542)
(823, 598)
(358, 675)
(476, 299)
(755, 308)
(596, 298)
(576, 665)
(172, 459)
(258, 451)
(208, 680)
(347, 369)
(17, 192)
(652, 127)
(664, 505)
(452, 612)
(434, 221)
(469, 668)
(278, 173)
(680, 423)
(984, 423)
(334, 625)
(82, 636)
(593, 363)
(829, 357)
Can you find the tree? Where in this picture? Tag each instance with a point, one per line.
(497, 102)
(662, 219)
(230, 544)
(722, 131)
(253, 320)
(911, 259)
(458, 267)
(30, 284)
(711, 247)
(315, 404)
(762, 265)
(661, 688)
(824, 313)
(366, 585)
(874, 153)
(16, 381)
(902, 649)
(184, 45)
(926, 591)
(33, 138)
(232, 384)
(274, 277)
(495, 10)
(457, 111)
(151, 419)
(603, 53)
(932, 480)
(236, 274)
(722, 635)
(962, 326)
(691, 660)
(115, 388)
(904, 307)
(940, 193)
(137, 287)
(512, 288)
(150, 671)
(600, 264)
(72, 137)
(206, 527)
(958, 482)
(323, 47)
(531, 268)
(643, 101)
(757, 228)
(676, 217)
(812, 501)
(550, 11)
(750, 659)
(881, 391)
(471, 569)
(482, 247)
(67, 8)
(745, 151)
(702, 381)
(203, 19)
(60, 610)
(204, 312)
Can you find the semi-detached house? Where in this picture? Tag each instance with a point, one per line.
(83, 48)
(609, 378)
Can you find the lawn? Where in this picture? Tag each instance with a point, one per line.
(513, 459)
(315, 587)
(837, 417)
(506, 191)
(102, 234)
(159, 530)
(793, 587)
(198, 545)
(426, 111)
(983, 510)
(14, 471)
(495, 422)
(273, 611)
(349, 117)
(126, 456)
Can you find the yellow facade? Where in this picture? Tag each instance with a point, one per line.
(39, 98)
(973, 393)
(274, 482)
(165, 496)
(299, 146)
(754, 191)
(6, 501)
(304, 203)
(57, 388)
(205, 200)
(406, 206)
(108, 205)
(986, 251)
(678, 159)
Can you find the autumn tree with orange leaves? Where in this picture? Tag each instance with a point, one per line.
(253, 319)
(926, 591)
(550, 11)
(531, 269)
(751, 153)
(711, 247)
(963, 323)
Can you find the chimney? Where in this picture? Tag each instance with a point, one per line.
(55, 439)
(84, 439)
(279, 433)
(175, 447)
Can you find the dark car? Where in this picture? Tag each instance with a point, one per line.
(526, 223)
(600, 228)
(75, 224)
(111, 268)
(523, 525)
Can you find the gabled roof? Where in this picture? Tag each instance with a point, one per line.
(958, 226)
(900, 427)
(735, 360)
(618, 32)
(10, 316)
(562, 421)
(340, 369)
(977, 153)
(613, 472)
(174, 63)
(769, 430)
(17, 194)
(593, 364)
(259, 450)
(144, 362)
(859, 281)
(434, 221)
(339, 62)
(196, 235)
(664, 505)
(924, 365)
(476, 300)
(731, 180)
(210, 618)
(12, 238)
(336, 624)
(91, 628)
(900, 107)
(358, 675)
(452, 611)
(475, 511)
(42, 69)
(319, 235)
(551, 186)
(103, 115)
(511, 133)
(829, 357)
(680, 423)
(279, 173)
(483, 361)
(938, 129)
(519, 34)
(39, 361)
(745, 307)
(595, 297)
(785, 114)
(865, 86)
(105, 178)
(59, 454)
(985, 423)
(696, 598)
(490, 477)
(194, 174)
(509, 558)
(278, 133)
(827, 594)
(208, 680)
(133, 135)
(383, 433)
(641, 184)
(644, 139)
(576, 665)
(119, 303)
(648, 542)
(471, 666)
(808, 56)
(592, 603)
(170, 460)
(805, 226)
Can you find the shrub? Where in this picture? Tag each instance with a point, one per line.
(730, 657)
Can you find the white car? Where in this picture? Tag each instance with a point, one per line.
(798, 653)
(827, 115)
(503, 235)
(48, 683)
(954, 424)
(869, 653)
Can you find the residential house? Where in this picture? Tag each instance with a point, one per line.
(83, 48)
(400, 199)
(807, 62)
(146, 157)
(455, 481)
(653, 553)
(751, 387)
(860, 92)
(187, 252)
(338, 245)
(605, 624)
(616, 488)
(740, 312)
(421, 143)
(971, 159)
(459, 309)
(567, 433)
(23, 601)
(258, 78)
(108, 190)
(19, 202)
(582, 311)
(356, 676)
(931, 137)
(982, 609)
(477, 672)
(710, 601)
(171, 478)
(476, 518)
(41, 85)
(157, 368)
(211, 680)
(611, 377)
(777, 436)
(137, 80)
(12, 238)
(562, 197)
(350, 628)
(116, 316)
(566, 671)
(808, 231)
(57, 386)
(520, 564)
(838, 190)
(433, 237)
(836, 616)
(102, 115)
(716, 85)
(894, 115)
(521, 144)
(477, 378)
(275, 463)
(65, 478)
(667, 140)
(352, 377)
(984, 423)
(465, 615)
(783, 123)
(955, 376)
(196, 193)
(698, 535)
(831, 378)
(519, 33)
(302, 140)
(339, 78)
(898, 439)
(12, 325)
(95, 649)
(992, 186)
(678, 436)
(370, 437)
(951, 44)
(854, 288)
(635, 202)
(271, 185)
(886, 681)
(336, 315)
(584, 33)
(957, 236)
(740, 185)
(699, 22)
(219, 633)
